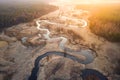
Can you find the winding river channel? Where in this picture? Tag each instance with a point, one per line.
(88, 54)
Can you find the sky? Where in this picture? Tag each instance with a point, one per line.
(90, 0)
(22, 0)
(31, 1)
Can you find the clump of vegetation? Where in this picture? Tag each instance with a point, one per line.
(14, 14)
(105, 21)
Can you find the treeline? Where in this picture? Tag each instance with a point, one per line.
(104, 20)
(15, 14)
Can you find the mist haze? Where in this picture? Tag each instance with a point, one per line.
(47, 1)
(59, 39)
(23, 1)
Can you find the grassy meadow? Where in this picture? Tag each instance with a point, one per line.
(104, 20)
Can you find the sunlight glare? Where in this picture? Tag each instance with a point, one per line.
(86, 1)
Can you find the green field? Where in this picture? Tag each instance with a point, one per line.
(104, 20)
(14, 14)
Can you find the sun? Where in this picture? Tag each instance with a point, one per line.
(90, 1)
(86, 1)
(63, 2)
(80, 1)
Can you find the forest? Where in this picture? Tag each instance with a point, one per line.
(14, 14)
(104, 20)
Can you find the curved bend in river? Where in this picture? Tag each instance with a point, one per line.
(37, 62)
(86, 53)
